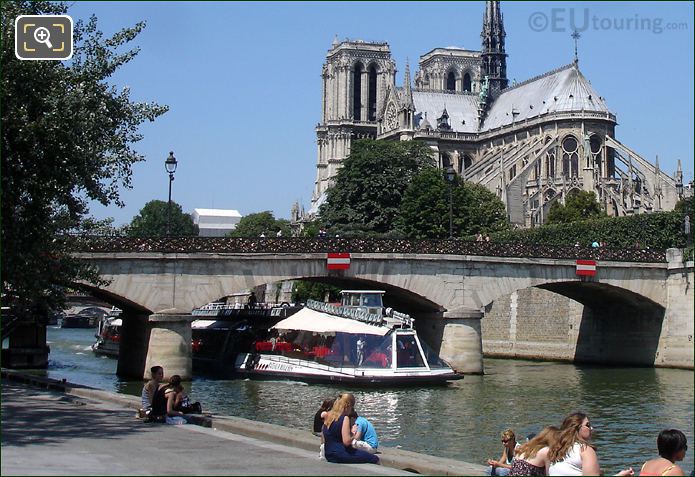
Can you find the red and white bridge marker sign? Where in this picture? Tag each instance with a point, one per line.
(586, 268)
(338, 261)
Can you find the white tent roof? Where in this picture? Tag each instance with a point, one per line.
(310, 320)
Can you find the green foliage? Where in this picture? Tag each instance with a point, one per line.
(579, 205)
(67, 139)
(261, 223)
(370, 186)
(152, 221)
(311, 229)
(304, 290)
(685, 206)
(424, 211)
(657, 231)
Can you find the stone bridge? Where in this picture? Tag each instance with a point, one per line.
(638, 306)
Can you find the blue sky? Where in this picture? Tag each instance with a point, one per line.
(243, 83)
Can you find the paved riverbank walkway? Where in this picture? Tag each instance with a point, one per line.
(50, 433)
(52, 427)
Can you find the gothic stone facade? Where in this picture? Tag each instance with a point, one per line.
(531, 143)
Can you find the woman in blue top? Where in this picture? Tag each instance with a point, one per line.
(337, 437)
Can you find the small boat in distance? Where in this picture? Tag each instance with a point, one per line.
(357, 343)
(109, 334)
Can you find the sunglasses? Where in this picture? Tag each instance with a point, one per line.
(588, 424)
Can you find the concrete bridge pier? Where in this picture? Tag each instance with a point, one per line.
(676, 340)
(457, 336)
(161, 339)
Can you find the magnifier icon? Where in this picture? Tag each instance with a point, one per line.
(42, 35)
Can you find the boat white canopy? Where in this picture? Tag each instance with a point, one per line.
(318, 322)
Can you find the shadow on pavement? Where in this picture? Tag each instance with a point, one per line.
(61, 419)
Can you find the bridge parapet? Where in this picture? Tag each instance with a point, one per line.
(359, 245)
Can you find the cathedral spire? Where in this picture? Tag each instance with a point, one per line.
(408, 96)
(576, 36)
(494, 58)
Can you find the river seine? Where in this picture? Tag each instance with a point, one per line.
(627, 406)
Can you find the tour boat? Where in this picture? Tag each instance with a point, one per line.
(356, 343)
(109, 334)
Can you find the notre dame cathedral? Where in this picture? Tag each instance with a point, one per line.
(531, 143)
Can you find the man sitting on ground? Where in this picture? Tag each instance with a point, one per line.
(363, 433)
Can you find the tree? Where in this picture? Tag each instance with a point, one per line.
(152, 221)
(261, 223)
(67, 139)
(304, 290)
(369, 187)
(424, 212)
(579, 205)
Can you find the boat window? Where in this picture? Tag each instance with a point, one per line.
(432, 358)
(407, 352)
(377, 352)
(371, 299)
(345, 350)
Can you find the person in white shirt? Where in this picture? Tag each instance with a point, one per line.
(572, 454)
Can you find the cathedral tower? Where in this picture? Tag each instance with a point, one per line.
(354, 78)
(494, 59)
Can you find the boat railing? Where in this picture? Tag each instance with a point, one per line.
(345, 312)
(405, 319)
(216, 307)
(359, 314)
(309, 364)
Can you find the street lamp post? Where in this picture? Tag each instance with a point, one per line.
(450, 177)
(170, 166)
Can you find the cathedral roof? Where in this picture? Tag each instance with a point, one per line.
(563, 89)
(462, 109)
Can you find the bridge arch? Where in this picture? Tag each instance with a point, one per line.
(128, 306)
(578, 321)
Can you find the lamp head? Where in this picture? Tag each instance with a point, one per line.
(171, 163)
(450, 174)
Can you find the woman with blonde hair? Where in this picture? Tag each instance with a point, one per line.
(572, 454)
(337, 437)
(532, 457)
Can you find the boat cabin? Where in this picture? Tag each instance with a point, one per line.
(369, 301)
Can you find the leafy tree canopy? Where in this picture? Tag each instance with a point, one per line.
(370, 186)
(304, 290)
(67, 138)
(261, 223)
(579, 205)
(152, 221)
(424, 212)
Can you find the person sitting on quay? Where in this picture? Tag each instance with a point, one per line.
(672, 445)
(532, 457)
(149, 390)
(174, 393)
(326, 406)
(337, 438)
(363, 434)
(572, 453)
(504, 464)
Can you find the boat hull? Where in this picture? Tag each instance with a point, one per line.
(110, 349)
(274, 367)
